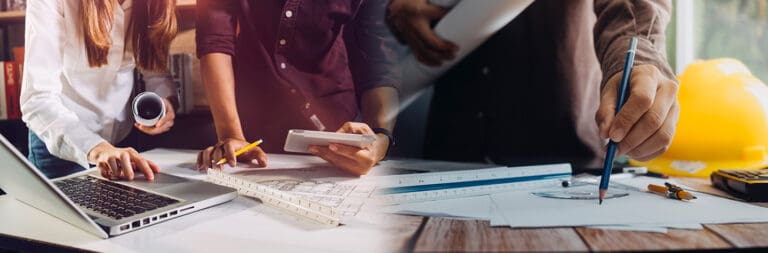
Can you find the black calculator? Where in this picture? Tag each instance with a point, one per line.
(750, 185)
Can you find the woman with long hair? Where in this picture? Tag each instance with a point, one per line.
(79, 78)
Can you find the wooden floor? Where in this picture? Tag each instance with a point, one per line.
(425, 234)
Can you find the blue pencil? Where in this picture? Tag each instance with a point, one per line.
(620, 100)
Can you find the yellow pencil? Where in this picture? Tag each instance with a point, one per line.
(240, 151)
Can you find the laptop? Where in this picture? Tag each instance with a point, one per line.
(103, 207)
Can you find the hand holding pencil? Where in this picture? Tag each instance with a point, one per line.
(621, 98)
(643, 128)
(228, 151)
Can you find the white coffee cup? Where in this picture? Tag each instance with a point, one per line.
(148, 108)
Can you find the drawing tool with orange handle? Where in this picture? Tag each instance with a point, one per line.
(671, 191)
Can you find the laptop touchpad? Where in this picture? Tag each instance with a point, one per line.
(161, 181)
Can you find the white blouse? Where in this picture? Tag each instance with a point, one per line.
(69, 105)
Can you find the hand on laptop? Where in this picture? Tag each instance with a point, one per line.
(226, 149)
(358, 161)
(120, 163)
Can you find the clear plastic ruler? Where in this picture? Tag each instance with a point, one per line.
(419, 187)
(290, 203)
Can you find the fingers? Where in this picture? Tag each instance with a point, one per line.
(445, 49)
(659, 142)
(106, 170)
(153, 166)
(641, 97)
(363, 157)
(216, 155)
(607, 109)
(141, 164)
(421, 41)
(261, 156)
(652, 155)
(355, 128)
(650, 122)
(114, 170)
(420, 50)
(433, 12)
(163, 125)
(125, 164)
(339, 161)
(204, 159)
(229, 153)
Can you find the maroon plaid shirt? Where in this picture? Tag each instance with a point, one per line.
(299, 64)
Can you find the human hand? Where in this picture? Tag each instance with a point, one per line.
(358, 161)
(645, 125)
(164, 124)
(410, 21)
(226, 148)
(120, 163)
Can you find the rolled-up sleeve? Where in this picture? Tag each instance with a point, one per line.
(216, 26)
(372, 50)
(620, 20)
(41, 94)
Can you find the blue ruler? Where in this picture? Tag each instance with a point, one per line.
(465, 183)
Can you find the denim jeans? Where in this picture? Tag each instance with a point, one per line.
(50, 165)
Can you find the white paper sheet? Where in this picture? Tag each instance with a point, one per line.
(521, 209)
(478, 207)
(306, 176)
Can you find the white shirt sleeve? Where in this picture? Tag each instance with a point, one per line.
(160, 83)
(41, 93)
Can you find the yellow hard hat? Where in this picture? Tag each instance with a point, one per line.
(723, 122)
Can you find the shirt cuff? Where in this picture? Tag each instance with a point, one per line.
(81, 141)
(647, 54)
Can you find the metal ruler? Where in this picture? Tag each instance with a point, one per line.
(419, 187)
(288, 202)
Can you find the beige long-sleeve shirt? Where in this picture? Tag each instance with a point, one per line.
(529, 94)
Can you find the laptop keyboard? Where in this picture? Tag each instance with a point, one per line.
(111, 199)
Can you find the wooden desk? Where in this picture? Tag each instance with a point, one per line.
(441, 234)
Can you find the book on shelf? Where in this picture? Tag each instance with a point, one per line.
(3, 102)
(12, 86)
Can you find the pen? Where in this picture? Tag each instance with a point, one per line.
(622, 97)
(671, 191)
(240, 151)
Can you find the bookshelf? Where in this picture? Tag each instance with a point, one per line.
(12, 16)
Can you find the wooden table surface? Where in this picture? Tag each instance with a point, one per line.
(442, 234)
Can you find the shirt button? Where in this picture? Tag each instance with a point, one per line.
(485, 70)
(288, 14)
(282, 42)
(306, 106)
(282, 65)
(293, 90)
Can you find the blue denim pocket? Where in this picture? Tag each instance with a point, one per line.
(50, 165)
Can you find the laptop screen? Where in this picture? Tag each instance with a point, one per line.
(24, 182)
